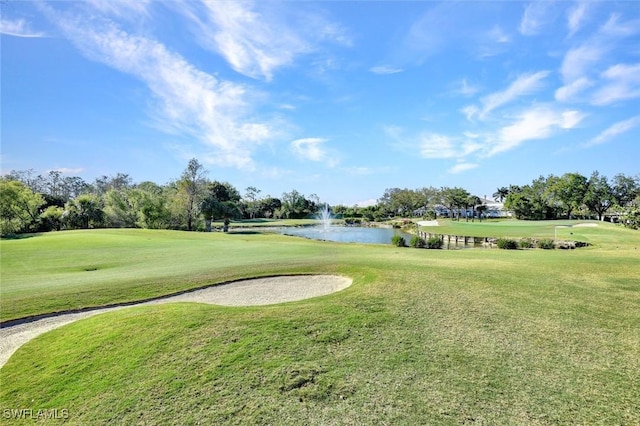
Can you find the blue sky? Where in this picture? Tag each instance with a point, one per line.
(338, 99)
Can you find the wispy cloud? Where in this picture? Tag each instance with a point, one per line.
(538, 122)
(617, 28)
(313, 149)
(621, 82)
(576, 17)
(431, 145)
(523, 85)
(535, 16)
(467, 89)
(492, 42)
(187, 101)
(614, 130)
(68, 170)
(462, 167)
(569, 92)
(257, 38)
(578, 61)
(121, 9)
(385, 69)
(437, 146)
(18, 28)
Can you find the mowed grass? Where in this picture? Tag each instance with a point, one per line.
(76, 269)
(421, 337)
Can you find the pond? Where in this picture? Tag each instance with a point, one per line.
(347, 234)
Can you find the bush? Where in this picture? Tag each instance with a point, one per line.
(546, 244)
(507, 244)
(430, 215)
(434, 242)
(525, 243)
(398, 241)
(417, 242)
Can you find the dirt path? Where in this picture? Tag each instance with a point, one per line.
(261, 291)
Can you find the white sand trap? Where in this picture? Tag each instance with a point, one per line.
(585, 225)
(428, 223)
(254, 292)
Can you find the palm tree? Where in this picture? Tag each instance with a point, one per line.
(501, 194)
(473, 201)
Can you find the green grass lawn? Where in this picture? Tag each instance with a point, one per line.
(422, 336)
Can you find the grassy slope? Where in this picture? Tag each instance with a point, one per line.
(75, 269)
(485, 336)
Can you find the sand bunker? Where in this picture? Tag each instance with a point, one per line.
(428, 223)
(585, 225)
(254, 292)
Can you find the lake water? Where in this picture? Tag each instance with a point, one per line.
(347, 234)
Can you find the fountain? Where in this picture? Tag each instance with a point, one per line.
(325, 217)
(342, 234)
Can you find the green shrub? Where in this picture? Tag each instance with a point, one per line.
(398, 241)
(417, 242)
(507, 244)
(430, 215)
(525, 243)
(434, 242)
(546, 244)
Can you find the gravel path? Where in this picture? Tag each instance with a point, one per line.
(260, 291)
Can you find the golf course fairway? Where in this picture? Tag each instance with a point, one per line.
(471, 336)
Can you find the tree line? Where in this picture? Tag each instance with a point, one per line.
(36, 203)
(553, 197)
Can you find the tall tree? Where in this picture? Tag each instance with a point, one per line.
(84, 212)
(120, 209)
(293, 204)
(19, 207)
(599, 196)
(569, 190)
(473, 201)
(455, 199)
(190, 189)
(530, 202)
(500, 194)
(251, 200)
(625, 189)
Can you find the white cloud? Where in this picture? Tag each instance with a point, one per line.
(18, 28)
(257, 38)
(578, 61)
(121, 8)
(313, 149)
(470, 111)
(462, 167)
(576, 17)
(68, 170)
(498, 35)
(437, 146)
(467, 89)
(287, 107)
(536, 123)
(385, 69)
(570, 91)
(622, 82)
(615, 130)
(535, 16)
(187, 101)
(523, 85)
(614, 27)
